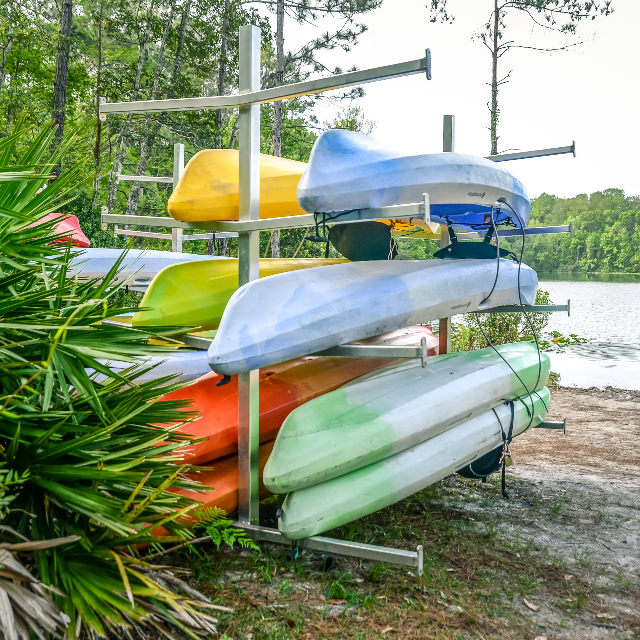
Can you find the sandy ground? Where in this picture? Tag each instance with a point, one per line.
(577, 497)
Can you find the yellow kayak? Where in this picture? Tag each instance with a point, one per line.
(208, 187)
(195, 294)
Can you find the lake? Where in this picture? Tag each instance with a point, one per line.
(606, 309)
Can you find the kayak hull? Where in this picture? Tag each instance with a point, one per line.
(349, 170)
(138, 268)
(208, 187)
(395, 409)
(303, 312)
(324, 506)
(195, 294)
(283, 387)
(222, 477)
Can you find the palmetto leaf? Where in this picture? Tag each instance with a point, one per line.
(83, 440)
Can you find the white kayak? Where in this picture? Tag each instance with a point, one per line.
(322, 507)
(298, 313)
(350, 170)
(395, 409)
(184, 364)
(138, 268)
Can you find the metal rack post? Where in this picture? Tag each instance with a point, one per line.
(248, 270)
(448, 146)
(178, 168)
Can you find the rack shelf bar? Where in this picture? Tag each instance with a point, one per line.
(309, 220)
(260, 96)
(540, 153)
(340, 547)
(377, 351)
(559, 426)
(169, 236)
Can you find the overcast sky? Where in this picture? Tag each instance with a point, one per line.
(589, 94)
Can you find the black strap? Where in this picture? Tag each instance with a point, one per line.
(506, 441)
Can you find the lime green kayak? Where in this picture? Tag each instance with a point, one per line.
(317, 509)
(394, 409)
(195, 294)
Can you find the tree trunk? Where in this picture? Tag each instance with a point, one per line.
(181, 36)
(222, 73)
(96, 149)
(276, 131)
(151, 128)
(3, 65)
(118, 160)
(222, 81)
(62, 71)
(494, 80)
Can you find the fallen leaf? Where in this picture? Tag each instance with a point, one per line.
(413, 575)
(517, 555)
(530, 605)
(452, 570)
(443, 596)
(380, 597)
(335, 601)
(568, 577)
(291, 623)
(604, 615)
(455, 609)
(387, 629)
(358, 580)
(540, 638)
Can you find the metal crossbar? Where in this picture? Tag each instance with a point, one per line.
(341, 81)
(540, 153)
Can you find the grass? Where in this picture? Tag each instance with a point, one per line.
(470, 564)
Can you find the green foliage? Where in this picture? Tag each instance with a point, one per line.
(500, 328)
(85, 453)
(218, 527)
(606, 235)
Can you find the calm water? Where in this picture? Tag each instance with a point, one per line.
(606, 309)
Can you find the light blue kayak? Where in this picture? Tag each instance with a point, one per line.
(298, 313)
(349, 170)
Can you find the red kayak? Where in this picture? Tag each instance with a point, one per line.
(283, 387)
(70, 226)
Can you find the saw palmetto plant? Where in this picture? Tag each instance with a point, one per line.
(88, 464)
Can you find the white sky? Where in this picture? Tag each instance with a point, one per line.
(589, 94)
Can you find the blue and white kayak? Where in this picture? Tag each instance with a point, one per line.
(323, 506)
(138, 268)
(298, 313)
(350, 170)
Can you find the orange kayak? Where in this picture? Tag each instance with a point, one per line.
(283, 387)
(222, 475)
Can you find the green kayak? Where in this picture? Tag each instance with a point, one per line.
(397, 408)
(317, 509)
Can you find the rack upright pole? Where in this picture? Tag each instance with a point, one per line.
(448, 145)
(178, 168)
(248, 270)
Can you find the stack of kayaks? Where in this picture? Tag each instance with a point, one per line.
(351, 435)
(403, 427)
(283, 387)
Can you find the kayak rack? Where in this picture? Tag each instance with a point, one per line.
(248, 227)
